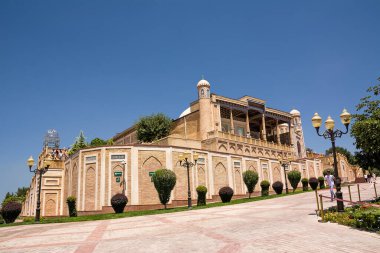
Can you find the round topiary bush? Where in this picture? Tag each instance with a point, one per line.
(226, 194)
(118, 202)
(201, 191)
(278, 186)
(305, 184)
(313, 182)
(164, 181)
(250, 179)
(11, 211)
(71, 203)
(294, 177)
(321, 182)
(264, 188)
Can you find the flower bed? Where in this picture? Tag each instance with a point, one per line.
(366, 218)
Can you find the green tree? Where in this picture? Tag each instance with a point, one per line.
(294, 177)
(80, 142)
(110, 142)
(250, 179)
(343, 151)
(366, 129)
(18, 196)
(374, 170)
(153, 127)
(164, 181)
(21, 192)
(98, 142)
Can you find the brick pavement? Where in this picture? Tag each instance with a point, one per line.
(286, 224)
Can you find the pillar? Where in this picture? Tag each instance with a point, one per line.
(264, 131)
(248, 130)
(290, 133)
(278, 133)
(232, 122)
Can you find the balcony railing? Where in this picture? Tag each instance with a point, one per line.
(245, 140)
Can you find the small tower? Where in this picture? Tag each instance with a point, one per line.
(204, 108)
(297, 134)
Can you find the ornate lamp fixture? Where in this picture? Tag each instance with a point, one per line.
(39, 170)
(185, 161)
(332, 134)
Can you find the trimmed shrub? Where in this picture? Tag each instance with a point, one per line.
(313, 182)
(325, 171)
(278, 187)
(71, 203)
(305, 184)
(321, 182)
(164, 181)
(226, 194)
(118, 202)
(294, 177)
(12, 198)
(201, 191)
(264, 188)
(11, 211)
(250, 179)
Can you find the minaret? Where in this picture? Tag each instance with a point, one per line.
(205, 116)
(297, 134)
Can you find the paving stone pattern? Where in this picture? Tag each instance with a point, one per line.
(286, 224)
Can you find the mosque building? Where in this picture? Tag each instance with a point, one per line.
(229, 135)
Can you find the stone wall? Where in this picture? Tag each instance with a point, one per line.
(90, 176)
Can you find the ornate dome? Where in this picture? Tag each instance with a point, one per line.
(185, 112)
(295, 112)
(203, 82)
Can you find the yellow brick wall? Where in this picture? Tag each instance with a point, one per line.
(149, 161)
(90, 187)
(276, 172)
(50, 206)
(220, 173)
(192, 127)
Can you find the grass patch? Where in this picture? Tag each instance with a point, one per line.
(30, 220)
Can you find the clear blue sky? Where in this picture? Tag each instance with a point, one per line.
(98, 66)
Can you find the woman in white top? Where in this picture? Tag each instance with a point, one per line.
(330, 182)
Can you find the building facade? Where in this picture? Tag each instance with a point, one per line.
(230, 136)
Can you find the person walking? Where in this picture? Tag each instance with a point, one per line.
(369, 178)
(330, 182)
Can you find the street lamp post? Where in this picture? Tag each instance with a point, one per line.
(123, 163)
(345, 118)
(285, 164)
(40, 171)
(184, 161)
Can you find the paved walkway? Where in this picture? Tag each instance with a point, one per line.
(286, 224)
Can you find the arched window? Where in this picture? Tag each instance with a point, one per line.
(202, 93)
(208, 93)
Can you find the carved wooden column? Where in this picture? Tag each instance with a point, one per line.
(290, 132)
(264, 131)
(278, 133)
(232, 122)
(248, 130)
